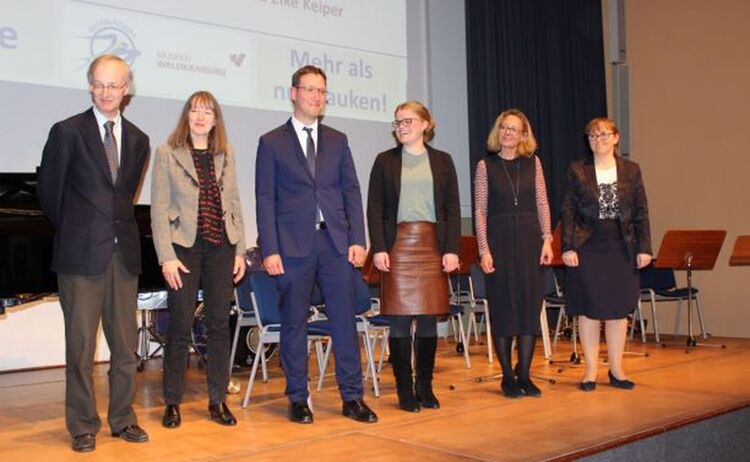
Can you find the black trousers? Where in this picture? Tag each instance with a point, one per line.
(210, 267)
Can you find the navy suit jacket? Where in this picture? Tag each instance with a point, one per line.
(288, 195)
(76, 193)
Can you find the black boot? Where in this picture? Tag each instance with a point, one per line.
(525, 354)
(424, 348)
(401, 362)
(509, 384)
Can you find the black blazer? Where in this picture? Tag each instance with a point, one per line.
(76, 193)
(580, 207)
(384, 192)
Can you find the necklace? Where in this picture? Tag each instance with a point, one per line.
(513, 190)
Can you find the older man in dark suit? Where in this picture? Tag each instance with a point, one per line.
(91, 169)
(311, 228)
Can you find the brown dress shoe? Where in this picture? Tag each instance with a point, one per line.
(84, 443)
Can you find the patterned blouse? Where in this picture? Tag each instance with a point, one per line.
(480, 201)
(609, 206)
(210, 211)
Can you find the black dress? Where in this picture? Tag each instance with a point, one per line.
(605, 285)
(515, 289)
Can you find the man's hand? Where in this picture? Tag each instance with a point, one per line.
(357, 255)
(273, 265)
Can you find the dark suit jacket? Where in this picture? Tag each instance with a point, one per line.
(287, 195)
(384, 192)
(580, 207)
(76, 192)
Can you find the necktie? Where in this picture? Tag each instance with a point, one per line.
(110, 148)
(310, 151)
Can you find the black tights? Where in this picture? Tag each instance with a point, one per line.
(401, 326)
(525, 355)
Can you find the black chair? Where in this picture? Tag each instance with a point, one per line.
(659, 285)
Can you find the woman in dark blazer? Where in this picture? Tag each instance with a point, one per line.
(606, 238)
(196, 219)
(414, 223)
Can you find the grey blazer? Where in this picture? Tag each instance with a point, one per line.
(174, 200)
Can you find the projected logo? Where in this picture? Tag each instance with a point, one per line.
(113, 37)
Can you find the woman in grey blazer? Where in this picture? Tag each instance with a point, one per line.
(196, 220)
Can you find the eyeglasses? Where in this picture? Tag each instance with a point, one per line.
(313, 90)
(512, 129)
(599, 136)
(206, 112)
(406, 123)
(112, 87)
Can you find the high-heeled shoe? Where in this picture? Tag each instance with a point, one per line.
(510, 387)
(622, 384)
(587, 386)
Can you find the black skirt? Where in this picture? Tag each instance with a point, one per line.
(605, 285)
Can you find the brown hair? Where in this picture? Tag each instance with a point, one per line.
(608, 124)
(108, 57)
(423, 113)
(526, 147)
(217, 137)
(309, 69)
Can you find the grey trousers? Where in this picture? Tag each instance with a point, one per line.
(111, 297)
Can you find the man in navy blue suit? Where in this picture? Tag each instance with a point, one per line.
(311, 229)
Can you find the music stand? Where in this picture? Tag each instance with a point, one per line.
(690, 250)
(741, 252)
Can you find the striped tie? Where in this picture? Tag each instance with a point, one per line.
(110, 148)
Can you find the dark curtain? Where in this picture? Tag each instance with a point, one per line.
(546, 58)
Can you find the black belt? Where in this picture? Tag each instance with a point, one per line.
(321, 225)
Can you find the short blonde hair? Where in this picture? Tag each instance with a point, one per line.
(526, 147)
(423, 113)
(108, 57)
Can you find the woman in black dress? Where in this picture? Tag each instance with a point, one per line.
(413, 218)
(606, 239)
(514, 237)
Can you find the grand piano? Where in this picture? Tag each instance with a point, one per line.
(26, 244)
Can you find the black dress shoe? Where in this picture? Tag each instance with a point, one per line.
(171, 417)
(84, 443)
(132, 434)
(510, 387)
(300, 413)
(622, 384)
(529, 389)
(221, 415)
(587, 386)
(359, 411)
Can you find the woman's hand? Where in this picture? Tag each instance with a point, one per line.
(642, 260)
(570, 258)
(450, 262)
(382, 261)
(171, 271)
(547, 254)
(239, 268)
(487, 264)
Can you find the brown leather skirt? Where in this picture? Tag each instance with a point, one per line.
(416, 283)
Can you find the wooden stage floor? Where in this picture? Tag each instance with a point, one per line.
(474, 423)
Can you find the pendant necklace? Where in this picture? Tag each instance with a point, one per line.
(515, 190)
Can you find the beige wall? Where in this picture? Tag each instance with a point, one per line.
(690, 117)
